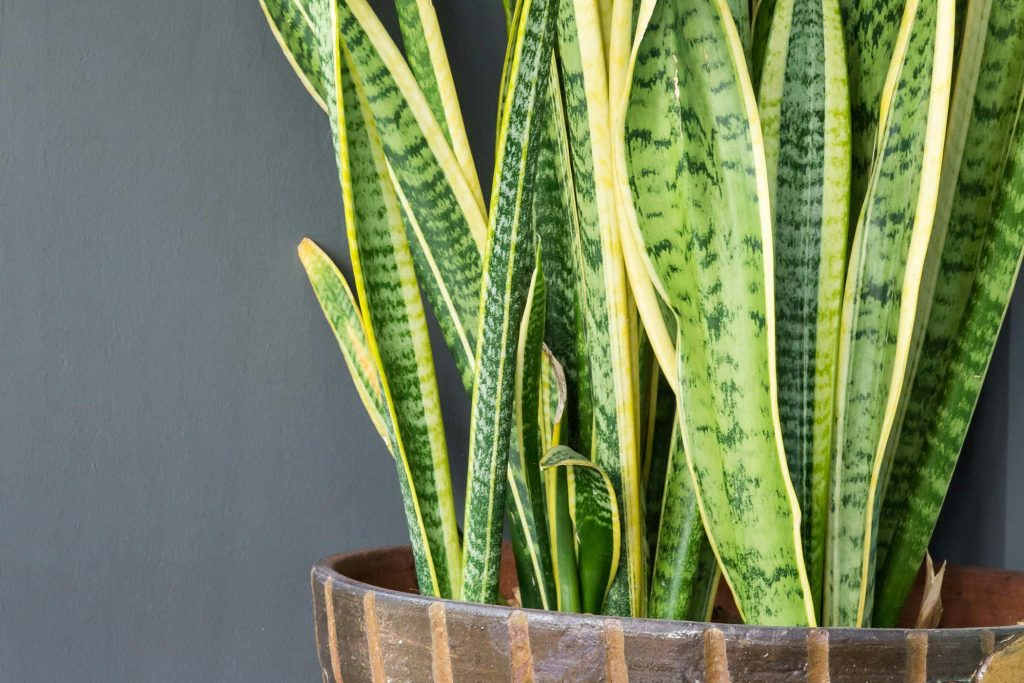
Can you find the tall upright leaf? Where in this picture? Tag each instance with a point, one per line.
(614, 442)
(446, 226)
(507, 267)
(428, 59)
(805, 116)
(709, 244)
(524, 463)
(394, 320)
(985, 109)
(871, 28)
(881, 299)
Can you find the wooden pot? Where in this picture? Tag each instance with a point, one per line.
(371, 625)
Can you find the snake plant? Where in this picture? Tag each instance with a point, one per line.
(724, 312)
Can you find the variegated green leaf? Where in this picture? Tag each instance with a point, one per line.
(554, 215)
(394, 319)
(446, 225)
(693, 127)
(805, 117)
(684, 564)
(428, 59)
(871, 30)
(524, 462)
(299, 38)
(507, 267)
(986, 107)
(346, 321)
(595, 520)
(605, 295)
(881, 299)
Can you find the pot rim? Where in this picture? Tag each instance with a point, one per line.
(333, 568)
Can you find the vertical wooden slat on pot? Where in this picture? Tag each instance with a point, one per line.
(403, 637)
(320, 630)
(520, 653)
(345, 611)
(440, 654)
(917, 657)
(818, 670)
(615, 667)
(372, 631)
(716, 657)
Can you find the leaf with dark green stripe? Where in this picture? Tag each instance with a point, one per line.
(871, 28)
(985, 109)
(881, 299)
(805, 117)
(604, 293)
(299, 37)
(428, 59)
(508, 263)
(524, 461)
(394, 319)
(554, 216)
(595, 519)
(693, 129)
(346, 321)
(684, 563)
(446, 225)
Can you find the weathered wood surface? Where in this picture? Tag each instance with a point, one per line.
(372, 626)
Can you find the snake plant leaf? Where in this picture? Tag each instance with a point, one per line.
(554, 217)
(446, 226)
(346, 321)
(871, 30)
(985, 109)
(508, 265)
(428, 60)
(658, 320)
(881, 299)
(805, 117)
(595, 520)
(524, 462)
(605, 295)
(393, 317)
(659, 427)
(563, 541)
(684, 564)
(299, 37)
(694, 127)
(761, 20)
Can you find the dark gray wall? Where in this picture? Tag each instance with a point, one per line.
(180, 438)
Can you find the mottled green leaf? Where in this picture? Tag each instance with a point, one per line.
(614, 440)
(805, 116)
(508, 264)
(985, 109)
(881, 299)
(693, 128)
